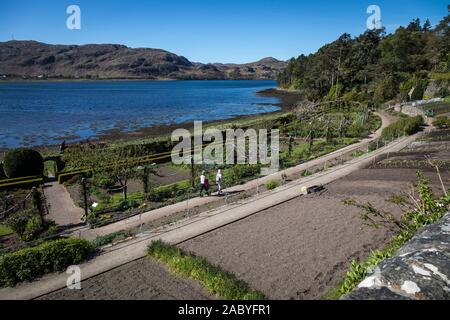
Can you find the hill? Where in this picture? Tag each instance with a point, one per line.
(31, 59)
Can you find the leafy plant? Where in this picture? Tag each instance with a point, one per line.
(441, 122)
(271, 185)
(31, 263)
(109, 238)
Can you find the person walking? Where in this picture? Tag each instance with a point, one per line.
(219, 179)
(204, 184)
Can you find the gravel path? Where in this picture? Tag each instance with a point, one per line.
(62, 210)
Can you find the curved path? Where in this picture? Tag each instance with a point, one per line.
(205, 222)
(166, 211)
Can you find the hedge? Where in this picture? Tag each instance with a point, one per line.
(31, 263)
(23, 163)
(17, 183)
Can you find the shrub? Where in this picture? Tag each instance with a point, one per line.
(109, 238)
(33, 227)
(128, 204)
(29, 225)
(239, 172)
(104, 181)
(19, 221)
(271, 185)
(23, 163)
(165, 192)
(441, 122)
(404, 126)
(31, 263)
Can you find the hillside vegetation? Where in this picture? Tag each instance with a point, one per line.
(31, 59)
(376, 66)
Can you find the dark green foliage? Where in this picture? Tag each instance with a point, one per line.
(238, 173)
(441, 122)
(2, 172)
(271, 185)
(128, 204)
(380, 67)
(31, 263)
(109, 238)
(28, 224)
(23, 163)
(103, 180)
(404, 126)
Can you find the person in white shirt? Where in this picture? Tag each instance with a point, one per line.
(204, 185)
(219, 179)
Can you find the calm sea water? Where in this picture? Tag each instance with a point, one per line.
(38, 113)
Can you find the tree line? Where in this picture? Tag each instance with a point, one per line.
(374, 66)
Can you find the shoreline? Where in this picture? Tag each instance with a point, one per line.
(286, 104)
(50, 80)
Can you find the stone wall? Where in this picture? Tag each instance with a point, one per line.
(419, 271)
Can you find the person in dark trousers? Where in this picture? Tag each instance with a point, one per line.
(204, 184)
(62, 147)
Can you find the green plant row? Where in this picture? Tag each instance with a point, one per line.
(31, 263)
(21, 184)
(2, 181)
(64, 176)
(215, 280)
(110, 238)
(403, 127)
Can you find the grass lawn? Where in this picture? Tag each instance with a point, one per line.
(4, 231)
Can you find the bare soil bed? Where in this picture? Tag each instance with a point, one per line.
(144, 279)
(296, 250)
(302, 248)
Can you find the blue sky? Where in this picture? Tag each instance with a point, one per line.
(208, 30)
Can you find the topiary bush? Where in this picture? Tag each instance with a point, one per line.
(31, 263)
(23, 163)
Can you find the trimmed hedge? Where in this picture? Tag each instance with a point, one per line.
(31, 263)
(20, 183)
(23, 163)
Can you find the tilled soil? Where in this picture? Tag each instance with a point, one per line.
(302, 248)
(144, 279)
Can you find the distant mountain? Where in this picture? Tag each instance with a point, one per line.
(31, 59)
